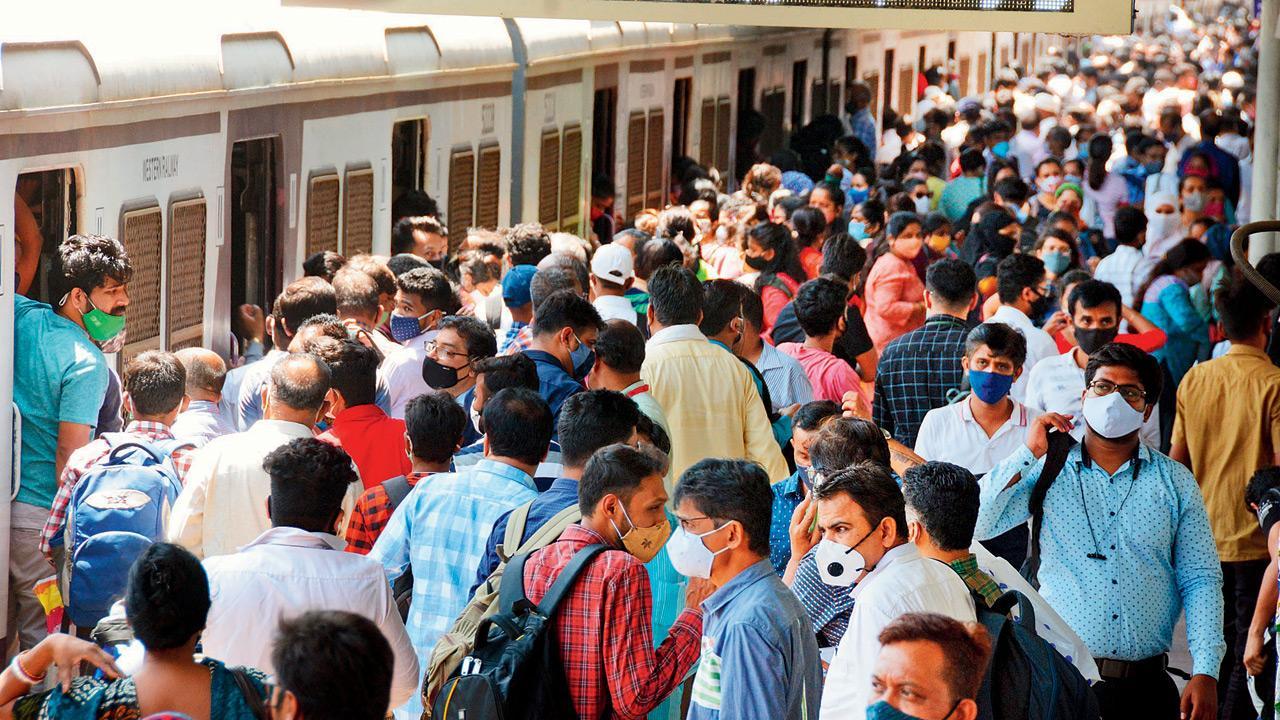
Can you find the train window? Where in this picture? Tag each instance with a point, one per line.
(571, 180)
(746, 89)
(635, 163)
(951, 50)
(184, 282)
(682, 99)
(1004, 56)
(906, 89)
(604, 132)
(799, 82)
(724, 117)
(966, 64)
(409, 145)
(141, 233)
(920, 61)
(888, 83)
(549, 180)
(826, 98)
(984, 73)
(707, 133)
(655, 178)
(45, 212)
(774, 108)
(357, 211)
(255, 257)
(462, 183)
(323, 198)
(488, 180)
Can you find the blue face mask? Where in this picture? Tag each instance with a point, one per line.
(857, 197)
(1000, 149)
(406, 327)
(989, 387)
(583, 359)
(858, 231)
(1153, 168)
(884, 711)
(1021, 214)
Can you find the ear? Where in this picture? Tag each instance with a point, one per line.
(1017, 374)
(340, 523)
(186, 403)
(565, 334)
(408, 445)
(268, 507)
(973, 302)
(966, 710)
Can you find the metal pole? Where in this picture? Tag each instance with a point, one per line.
(1266, 144)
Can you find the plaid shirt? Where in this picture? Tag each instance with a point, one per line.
(980, 583)
(372, 512)
(518, 339)
(605, 630)
(915, 373)
(88, 456)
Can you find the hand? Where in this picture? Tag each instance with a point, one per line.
(1055, 324)
(1200, 699)
(803, 531)
(836, 170)
(66, 652)
(251, 323)
(1038, 433)
(699, 589)
(790, 410)
(1255, 660)
(853, 405)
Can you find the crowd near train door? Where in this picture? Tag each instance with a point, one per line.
(255, 247)
(50, 196)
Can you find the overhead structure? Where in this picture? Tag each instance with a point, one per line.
(1062, 17)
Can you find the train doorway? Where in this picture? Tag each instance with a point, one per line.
(46, 207)
(255, 247)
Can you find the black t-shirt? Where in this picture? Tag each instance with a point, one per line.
(853, 343)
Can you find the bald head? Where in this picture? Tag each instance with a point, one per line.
(324, 325)
(205, 373)
(297, 389)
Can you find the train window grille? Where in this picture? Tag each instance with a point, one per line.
(635, 163)
(461, 205)
(357, 212)
(799, 82)
(724, 116)
(184, 315)
(906, 90)
(873, 81)
(655, 178)
(707, 133)
(324, 192)
(549, 180)
(571, 180)
(488, 180)
(774, 108)
(681, 103)
(966, 64)
(141, 233)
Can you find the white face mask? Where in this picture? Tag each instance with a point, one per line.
(1161, 225)
(475, 417)
(1111, 416)
(689, 555)
(838, 564)
(922, 205)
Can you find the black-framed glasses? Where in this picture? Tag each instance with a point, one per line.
(1131, 393)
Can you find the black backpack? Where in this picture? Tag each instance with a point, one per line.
(1055, 459)
(515, 671)
(1032, 681)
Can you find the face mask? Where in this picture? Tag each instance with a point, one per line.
(1056, 262)
(922, 205)
(840, 564)
(1216, 209)
(1040, 306)
(406, 327)
(1021, 214)
(1161, 225)
(1000, 149)
(1090, 340)
(582, 360)
(1194, 202)
(689, 556)
(857, 196)
(440, 377)
(1111, 416)
(115, 344)
(755, 262)
(989, 387)
(882, 710)
(1154, 167)
(1050, 183)
(858, 231)
(477, 422)
(939, 243)
(102, 326)
(643, 543)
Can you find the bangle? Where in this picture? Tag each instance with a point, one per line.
(23, 676)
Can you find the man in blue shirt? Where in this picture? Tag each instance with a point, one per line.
(861, 124)
(59, 382)
(563, 324)
(1125, 543)
(759, 656)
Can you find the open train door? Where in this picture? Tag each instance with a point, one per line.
(10, 419)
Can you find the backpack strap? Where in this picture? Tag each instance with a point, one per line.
(561, 586)
(1026, 611)
(551, 529)
(511, 591)
(1060, 445)
(777, 284)
(516, 523)
(397, 489)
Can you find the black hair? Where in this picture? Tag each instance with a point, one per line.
(1125, 355)
(656, 434)
(847, 440)
(753, 309)
(819, 305)
(1265, 479)
(620, 346)
(518, 424)
(1129, 223)
(1098, 152)
(353, 368)
(356, 291)
(1016, 273)
(167, 597)
(602, 186)
(810, 225)
(872, 487)
(657, 253)
(329, 326)
(952, 281)
(156, 382)
(309, 479)
(565, 309)
(899, 222)
(945, 497)
(324, 265)
(677, 220)
(727, 490)
(402, 240)
(402, 263)
(786, 259)
(832, 190)
(473, 262)
(617, 469)
(592, 419)
(972, 159)
(432, 287)
(435, 423)
(300, 381)
(302, 299)
(507, 371)
(1092, 294)
(86, 261)
(1012, 190)
(337, 664)
(1186, 253)
(414, 203)
(1001, 339)
(842, 256)
(527, 244)
(721, 303)
(933, 222)
(675, 296)
(1242, 308)
(813, 414)
(562, 262)
(480, 340)
(1048, 161)
(549, 280)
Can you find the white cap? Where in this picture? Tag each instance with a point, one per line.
(1048, 102)
(613, 263)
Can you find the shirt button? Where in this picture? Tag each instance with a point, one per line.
(1113, 514)
(1113, 547)
(1115, 617)
(1113, 581)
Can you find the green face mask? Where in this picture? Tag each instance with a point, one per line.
(102, 326)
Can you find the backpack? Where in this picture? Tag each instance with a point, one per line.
(397, 489)
(117, 510)
(1055, 459)
(1031, 681)
(457, 644)
(515, 671)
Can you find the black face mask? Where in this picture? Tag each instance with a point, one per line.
(1040, 306)
(755, 262)
(438, 376)
(1090, 340)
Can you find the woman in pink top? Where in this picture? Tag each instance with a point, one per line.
(894, 292)
(772, 252)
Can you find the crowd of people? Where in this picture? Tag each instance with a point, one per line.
(821, 412)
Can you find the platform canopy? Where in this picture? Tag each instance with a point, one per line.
(1064, 17)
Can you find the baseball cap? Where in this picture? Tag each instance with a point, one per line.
(515, 285)
(613, 263)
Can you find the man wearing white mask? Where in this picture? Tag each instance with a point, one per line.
(863, 520)
(759, 656)
(1125, 542)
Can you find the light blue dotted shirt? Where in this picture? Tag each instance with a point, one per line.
(1159, 551)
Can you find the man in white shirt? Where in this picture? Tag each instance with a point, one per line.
(1024, 297)
(424, 296)
(224, 502)
(612, 272)
(1127, 268)
(300, 565)
(202, 421)
(863, 520)
(988, 425)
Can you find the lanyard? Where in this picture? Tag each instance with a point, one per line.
(1133, 480)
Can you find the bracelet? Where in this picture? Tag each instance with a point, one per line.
(23, 676)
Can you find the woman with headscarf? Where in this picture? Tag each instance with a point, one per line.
(1165, 299)
(1164, 228)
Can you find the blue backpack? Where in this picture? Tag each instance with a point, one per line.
(117, 510)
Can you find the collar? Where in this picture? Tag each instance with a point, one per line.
(563, 485)
(1248, 350)
(284, 427)
(677, 333)
(944, 319)
(1080, 454)
(544, 357)
(503, 470)
(638, 387)
(201, 406)
(1009, 312)
(360, 412)
(714, 341)
(770, 357)
(158, 431)
(1126, 250)
(1018, 415)
(297, 537)
(577, 532)
(743, 580)
(905, 551)
(415, 477)
(965, 566)
(619, 302)
(791, 486)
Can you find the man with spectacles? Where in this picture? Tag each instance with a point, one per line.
(1024, 296)
(1124, 542)
(563, 324)
(450, 360)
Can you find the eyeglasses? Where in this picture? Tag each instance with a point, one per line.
(687, 523)
(435, 348)
(590, 345)
(1131, 393)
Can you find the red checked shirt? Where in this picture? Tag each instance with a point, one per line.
(605, 630)
(88, 456)
(371, 514)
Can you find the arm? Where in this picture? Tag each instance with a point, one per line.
(880, 414)
(886, 297)
(1006, 493)
(753, 677)
(1177, 301)
(360, 533)
(773, 301)
(1199, 578)
(186, 520)
(1178, 449)
(28, 240)
(1264, 612)
(71, 437)
(60, 651)
(404, 680)
(867, 365)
